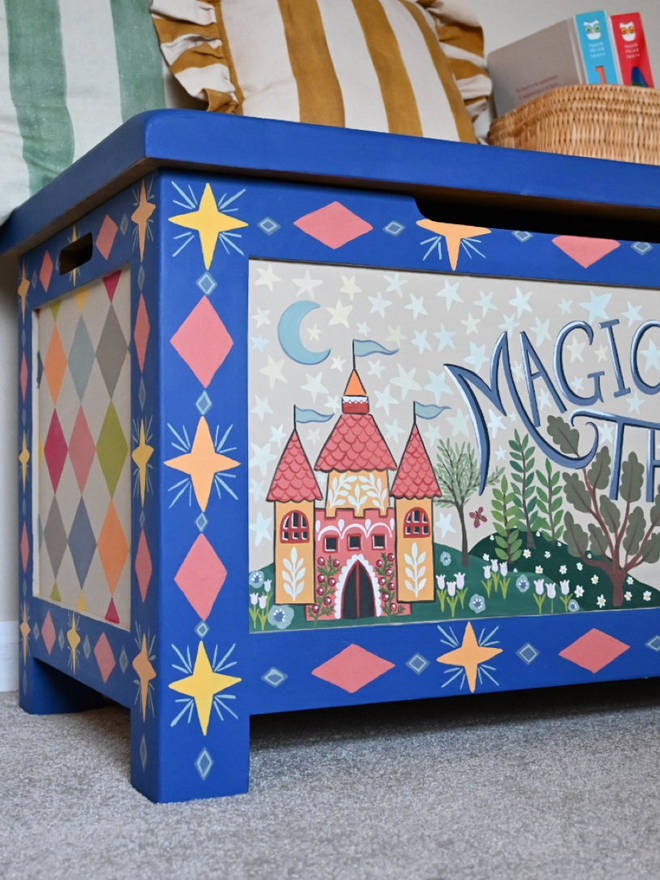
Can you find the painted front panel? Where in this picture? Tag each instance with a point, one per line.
(530, 487)
(82, 437)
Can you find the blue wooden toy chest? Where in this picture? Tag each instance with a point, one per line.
(313, 418)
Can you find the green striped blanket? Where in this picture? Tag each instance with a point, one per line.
(71, 71)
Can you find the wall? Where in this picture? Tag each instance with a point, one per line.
(503, 22)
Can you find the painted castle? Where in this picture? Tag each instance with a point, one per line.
(368, 550)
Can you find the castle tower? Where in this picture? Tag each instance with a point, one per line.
(356, 457)
(414, 489)
(294, 490)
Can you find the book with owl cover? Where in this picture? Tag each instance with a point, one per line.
(573, 51)
(630, 42)
(598, 50)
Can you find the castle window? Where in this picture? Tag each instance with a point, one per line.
(295, 528)
(379, 542)
(354, 542)
(416, 523)
(330, 545)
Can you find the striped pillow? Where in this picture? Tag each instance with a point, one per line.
(407, 66)
(70, 73)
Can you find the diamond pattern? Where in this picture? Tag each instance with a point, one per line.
(113, 548)
(353, 668)
(111, 351)
(55, 450)
(48, 633)
(46, 271)
(274, 677)
(143, 566)
(81, 450)
(82, 542)
(594, 650)
(106, 237)
(334, 225)
(142, 331)
(81, 358)
(112, 448)
(55, 364)
(203, 341)
(201, 577)
(585, 251)
(104, 657)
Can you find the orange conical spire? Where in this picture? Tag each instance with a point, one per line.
(355, 399)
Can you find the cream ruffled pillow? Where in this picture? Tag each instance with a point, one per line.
(401, 66)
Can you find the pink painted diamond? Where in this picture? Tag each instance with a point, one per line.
(143, 566)
(201, 577)
(104, 657)
(106, 237)
(594, 650)
(203, 341)
(46, 271)
(334, 225)
(48, 633)
(142, 330)
(353, 668)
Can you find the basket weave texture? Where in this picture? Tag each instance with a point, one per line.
(598, 121)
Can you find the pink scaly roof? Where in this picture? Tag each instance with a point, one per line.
(355, 444)
(415, 478)
(294, 479)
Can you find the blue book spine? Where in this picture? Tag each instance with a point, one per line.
(598, 50)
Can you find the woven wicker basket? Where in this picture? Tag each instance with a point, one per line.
(600, 121)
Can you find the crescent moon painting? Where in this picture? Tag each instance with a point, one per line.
(288, 333)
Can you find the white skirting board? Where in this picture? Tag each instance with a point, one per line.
(8, 655)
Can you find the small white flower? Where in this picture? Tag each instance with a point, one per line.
(547, 554)
(538, 586)
(460, 579)
(538, 569)
(527, 553)
(487, 571)
(647, 596)
(579, 591)
(629, 579)
(254, 598)
(486, 557)
(504, 569)
(565, 588)
(579, 566)
(451, 588)
(552, 590)
(600, 601)
(440, 581)
(627, 596)
(262, 601)
(495, 564)
(562, 569)
(594, 579)
(268, 586)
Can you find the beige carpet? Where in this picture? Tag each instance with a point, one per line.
(544, 784)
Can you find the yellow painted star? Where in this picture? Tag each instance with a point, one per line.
(23, 289)
(24, 459)
(203, 685)
(141, 216)
(470, 655)
(453, 234)
(146, 673)
(202, 463)
(73, 638)
(25, 631)
(141, 456)
(209, 222)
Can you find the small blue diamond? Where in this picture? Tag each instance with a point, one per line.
(523, 236)
(204, 763)
(207, 283)
(642, 247)
(394, 228)
(528, 653)
(204, 403)
(268, 225)
(417, 663)
(274, 677)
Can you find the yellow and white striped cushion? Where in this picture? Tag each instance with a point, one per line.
(369, 64)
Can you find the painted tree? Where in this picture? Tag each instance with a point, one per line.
(459, 475)
(506, 518)
(619, 536)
